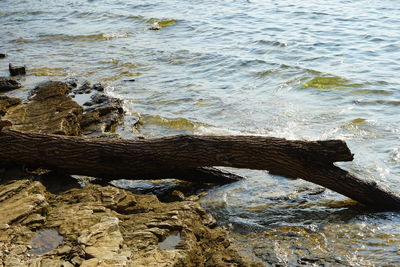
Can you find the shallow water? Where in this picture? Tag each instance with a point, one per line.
(294, 69)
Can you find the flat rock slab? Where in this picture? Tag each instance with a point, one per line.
(51, 110)
(107, 226)
(19, 200)
(7, 102)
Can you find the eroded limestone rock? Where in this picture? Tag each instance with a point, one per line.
(7, 102)
(107, 226)
(21, 199)
(50, 110)
(101, 112)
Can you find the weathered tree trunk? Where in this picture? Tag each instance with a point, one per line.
(183, 156)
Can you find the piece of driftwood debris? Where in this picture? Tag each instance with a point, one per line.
(178, 156)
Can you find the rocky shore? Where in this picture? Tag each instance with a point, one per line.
(51, 219)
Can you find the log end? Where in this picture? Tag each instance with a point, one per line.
(337, 150)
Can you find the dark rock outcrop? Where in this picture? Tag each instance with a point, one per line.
(8, 84)
(16, 70)
(102, 113)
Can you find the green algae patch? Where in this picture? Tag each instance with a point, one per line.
(354, 123)
(330, 83)
(161, 23)
(171, 123)
(120, 76)
(358, 121)
(359, 126)
(166, 23)
(371, 92)
(130, 65)
(48, 72)
(265, 73)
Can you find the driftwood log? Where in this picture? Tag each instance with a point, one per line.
(192, 158)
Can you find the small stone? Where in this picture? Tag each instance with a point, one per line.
(72, 83)
(76, 260)
(84, 88)
(64, 250)
(16, 70)
(155, 27)
(98, 87)
(4, 226)
(192, 198)
(66, 264)
(177, 196)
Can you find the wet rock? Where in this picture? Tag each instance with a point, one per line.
(16, 70)
(287, 245)
(107, 226)
(102, 114)
(21, 199)
(8, 102)
(50, 110)
(2, 55)
(155, 27)
(90, 118)
(98, 87)
(8, 84)
(97, 99)
(85, 88)
(72, 83)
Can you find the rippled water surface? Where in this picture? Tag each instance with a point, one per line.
(295, 69)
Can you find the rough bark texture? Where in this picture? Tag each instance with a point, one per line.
(148, 159)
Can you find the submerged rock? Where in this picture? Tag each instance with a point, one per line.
(8, 84)
(16, 70)
(85, 88)
(106, 226)
(155, 27)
